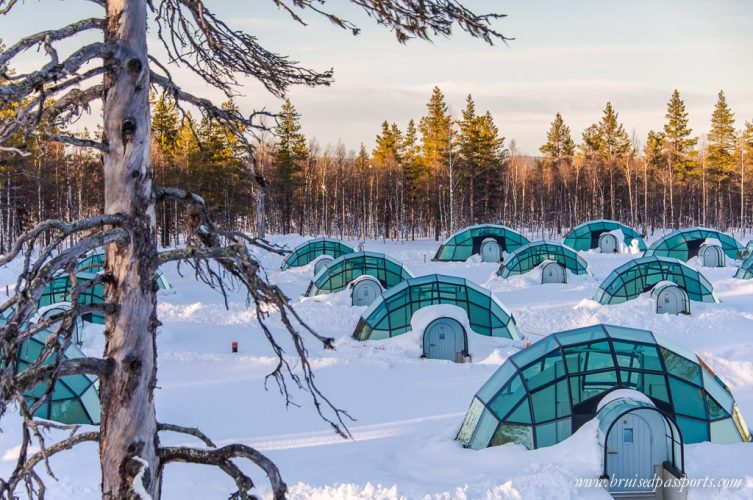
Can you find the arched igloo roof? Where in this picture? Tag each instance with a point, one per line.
(90, 292)
(531, 255)
(390, 314)
(683, 244)
(585, 236)
(309, 250)
(346, 268)
(95, 263)
(467, 242)
(541, 395)
(640, 275)
(745, 271)
(74, 398)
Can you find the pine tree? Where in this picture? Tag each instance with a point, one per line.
(469, 143)
(290, 152)
(678, 140)
(165, 124)
(721, 148)
(436, 130)
(559, 147)
(615, 146)
(389, 144)
(436, 143)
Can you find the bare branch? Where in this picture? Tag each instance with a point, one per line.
(221, 457)
(410, 19)
(17, 151)
(49, 36)
(77, 141)
(65, 228)
(196, 38)
(191, 431)
(28, 466)
(25, 85)
(97, 367)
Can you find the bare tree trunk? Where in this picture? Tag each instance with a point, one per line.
(129, 430)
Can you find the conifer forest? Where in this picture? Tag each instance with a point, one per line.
(425, 178)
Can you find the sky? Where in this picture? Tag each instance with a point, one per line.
(568, 57)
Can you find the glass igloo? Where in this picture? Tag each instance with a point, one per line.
(310, 250)
(466, 242)
(684, 244)
(390, 314)
(337, 275)
(541, 395)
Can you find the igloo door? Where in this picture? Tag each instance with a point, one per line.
(490, 251)
(366, 291)
(444, 338)
(607, 243)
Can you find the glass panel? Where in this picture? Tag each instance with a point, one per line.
(521, 414)
(470, 421)
(508, 397)
(535, 351)
(581, 335)
(485, 428)
(682, 367)
(624, 333)
(637, 356)
(496, 381)
(687, 399)
(511, 433)
(553, 433)
(693, 431)
(588, 357)
(544, 371)
(551, 402)
(716, 412)
(717, 391)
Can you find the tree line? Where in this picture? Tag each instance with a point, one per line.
(433, 176)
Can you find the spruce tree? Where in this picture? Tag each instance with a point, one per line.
(615, 146)
(559, 147)
(721, 148)
(165, 124)
(678, 141)
(436, 130)
(290, 152)
(436, 144)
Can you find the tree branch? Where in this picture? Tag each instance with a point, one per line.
(194, 37)
(50, 36)
(221, 457)
(191, 431)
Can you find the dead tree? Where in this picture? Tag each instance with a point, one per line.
(119, 71)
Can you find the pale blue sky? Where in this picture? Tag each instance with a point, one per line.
(569, 57)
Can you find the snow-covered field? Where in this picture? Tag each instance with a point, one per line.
(407, 410)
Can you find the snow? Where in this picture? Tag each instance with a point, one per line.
(407, 409)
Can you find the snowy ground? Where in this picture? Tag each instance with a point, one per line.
(407, 410)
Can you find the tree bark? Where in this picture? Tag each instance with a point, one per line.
(129, 427)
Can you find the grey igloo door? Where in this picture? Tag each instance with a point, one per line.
(323, 262)
(670, 301)
(490, 251)
(553, 272)
(634, 447)
(629, 449)
(444, 338)
(712, 257)
(366, 291)
(607, 243)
